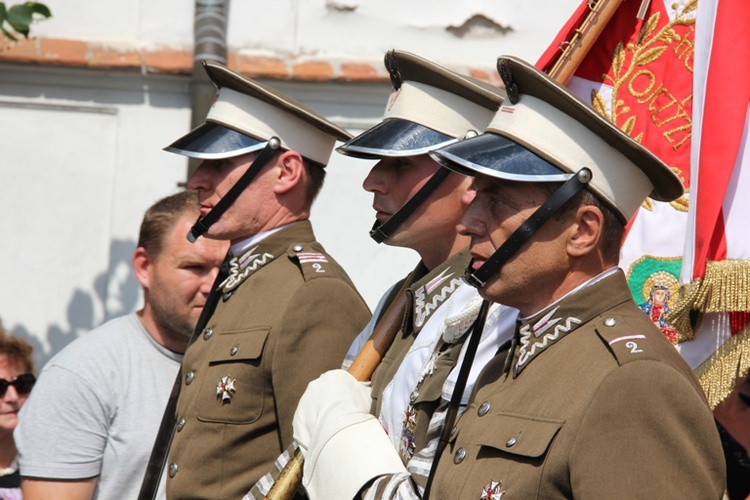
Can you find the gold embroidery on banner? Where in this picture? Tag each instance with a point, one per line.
(718, 374)
(668, 113)
(723, 288)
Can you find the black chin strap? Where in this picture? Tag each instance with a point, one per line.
(451, 413)
(381, 232)
(204, 223)
(516, 240)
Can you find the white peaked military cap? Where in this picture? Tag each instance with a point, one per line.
(429, 107)
(543, 133)
(245, 114)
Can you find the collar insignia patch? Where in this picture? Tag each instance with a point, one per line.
(438, 290)
(548, 330)
(240, 268)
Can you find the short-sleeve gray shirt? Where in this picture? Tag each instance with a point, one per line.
(96, 408)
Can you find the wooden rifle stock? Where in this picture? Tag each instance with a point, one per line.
(583, 38)
(362, 368)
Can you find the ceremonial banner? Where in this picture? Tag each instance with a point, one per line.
(674, 76)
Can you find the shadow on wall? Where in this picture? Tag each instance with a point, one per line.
(116, 292)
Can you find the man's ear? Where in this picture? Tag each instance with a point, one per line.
(291, 172)
(586, 233)
(142, 266)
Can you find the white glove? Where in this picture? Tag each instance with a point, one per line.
(333, 427)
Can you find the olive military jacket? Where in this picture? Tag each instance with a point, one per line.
(419, 426)
(288, 313)
(426, 292)
(596, 404)
(424, 297)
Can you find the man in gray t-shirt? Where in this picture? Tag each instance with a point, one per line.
(88, 427)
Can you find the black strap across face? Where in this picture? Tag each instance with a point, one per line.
(204, 223)
(526, 230)
(381, 232)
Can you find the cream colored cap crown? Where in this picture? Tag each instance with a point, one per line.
(261, 112)
(435, 97)
(429, 107)
(545, 119)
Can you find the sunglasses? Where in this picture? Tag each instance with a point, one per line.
(22, 383)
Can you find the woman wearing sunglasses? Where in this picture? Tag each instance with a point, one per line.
(16, 380)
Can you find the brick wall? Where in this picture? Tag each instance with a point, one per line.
(76, 53)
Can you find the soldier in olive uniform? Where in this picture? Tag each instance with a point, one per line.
(592, 401)
(418, 205)
(284, 312)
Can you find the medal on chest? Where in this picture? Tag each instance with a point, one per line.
(225, 389)
(492, 491)
(407, 433)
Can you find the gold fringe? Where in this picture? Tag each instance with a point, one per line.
(719, 373)
(726, 283)
(724, 288)
(679, 316)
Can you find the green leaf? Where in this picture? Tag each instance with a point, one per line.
(20, 28)
(20, 18)
(40, 8)
(8, 34)
(20, 15)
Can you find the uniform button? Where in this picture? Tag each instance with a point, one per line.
(173, 469)
(484, 408)
(459, 456)
(511, 442)
(189, 376)
(297, 248)
(233, 351)
(180, 424)
(610, 322)
(207, 334)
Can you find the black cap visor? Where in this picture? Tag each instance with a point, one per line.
(395, 137)
(211, 141)
(496, 156)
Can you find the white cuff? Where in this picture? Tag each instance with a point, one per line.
(349, 460)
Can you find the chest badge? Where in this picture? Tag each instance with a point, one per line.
(225, 389)
(407, 433)
(492, 491)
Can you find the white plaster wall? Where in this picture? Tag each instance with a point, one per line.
(338, 28)
(81, 162)
(375, 26)
(163, 22)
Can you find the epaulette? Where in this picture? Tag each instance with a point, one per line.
(627, 341)
(312, 262)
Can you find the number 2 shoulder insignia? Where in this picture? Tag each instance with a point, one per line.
(626, 341)
(312, 262)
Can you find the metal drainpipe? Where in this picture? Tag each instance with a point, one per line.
(210, 40)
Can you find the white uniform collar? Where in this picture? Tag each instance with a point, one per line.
(595, 279)
(241, 246)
